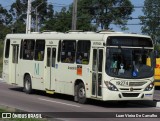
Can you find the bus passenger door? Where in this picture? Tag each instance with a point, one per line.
(50, 68)
(14, 67)
(97, 72)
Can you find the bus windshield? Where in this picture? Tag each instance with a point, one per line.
(129, 57)
(129, 62)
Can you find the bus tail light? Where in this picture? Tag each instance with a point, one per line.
(111, 86)
(149, 87)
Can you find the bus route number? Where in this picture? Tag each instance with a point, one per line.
(122, 83)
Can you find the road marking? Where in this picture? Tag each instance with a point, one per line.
(58, 102)
(158, 104)
(1, 80)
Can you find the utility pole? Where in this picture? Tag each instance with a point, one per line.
(28, 21)
(74, 15)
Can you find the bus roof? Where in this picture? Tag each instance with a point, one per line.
(71, 35)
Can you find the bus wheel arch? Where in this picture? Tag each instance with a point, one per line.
(27, 83)
(79, 91)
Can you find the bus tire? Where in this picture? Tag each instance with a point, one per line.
(81, 93)
(27, 84)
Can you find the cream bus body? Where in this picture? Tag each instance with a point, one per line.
(89, 80)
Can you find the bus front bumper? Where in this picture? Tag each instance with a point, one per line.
(116, 95)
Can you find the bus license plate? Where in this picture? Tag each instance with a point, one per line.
(122, 83)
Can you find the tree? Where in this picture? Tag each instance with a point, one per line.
(94, 13)
(60, 22)
(106, 12)
(150, 20)
(84, 16)
(5, 19)
(19, 12)
(44, 10)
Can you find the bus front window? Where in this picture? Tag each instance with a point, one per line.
(129, 62)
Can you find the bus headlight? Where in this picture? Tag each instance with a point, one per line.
(149, 87)
(111, 86)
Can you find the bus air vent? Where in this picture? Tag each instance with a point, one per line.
(130, 94)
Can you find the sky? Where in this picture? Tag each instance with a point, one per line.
(132, 28)
(137, 12)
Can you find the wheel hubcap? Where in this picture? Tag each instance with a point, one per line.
(81, 92)
(27, 85)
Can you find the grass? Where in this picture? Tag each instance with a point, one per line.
(1, 66)
(2, 110)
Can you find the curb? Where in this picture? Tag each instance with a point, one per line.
(2, 81)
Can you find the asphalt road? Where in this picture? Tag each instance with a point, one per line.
(39, 101)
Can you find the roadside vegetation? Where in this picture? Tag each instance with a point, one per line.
(1, 57)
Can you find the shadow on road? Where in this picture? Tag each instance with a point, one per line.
(157, 88)
(107, 104)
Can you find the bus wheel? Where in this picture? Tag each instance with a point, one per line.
(81, 93)
(27, 84)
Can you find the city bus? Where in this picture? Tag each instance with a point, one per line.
(107, 66)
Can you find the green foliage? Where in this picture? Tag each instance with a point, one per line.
(3, 31)
(61, 21)
(90, 15)
(106, 12)
(1, 49)
(1, 55)
(151, 20)
(5, 17)
(19, 12)
(157, 48)
(84, 16)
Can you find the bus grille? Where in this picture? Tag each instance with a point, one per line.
(128, 89)
(130, 94)
(136, 83)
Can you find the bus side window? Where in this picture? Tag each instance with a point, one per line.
(83, 52)
(59, 51)
(7, 48)
(68, 51)
(28, 49)
(39, 50)
(21, 50)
